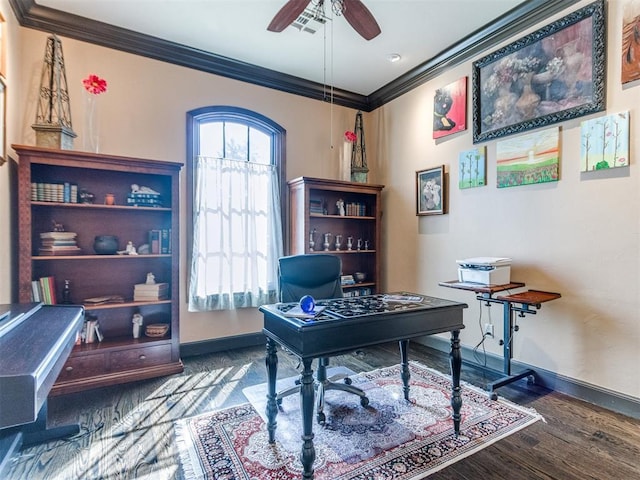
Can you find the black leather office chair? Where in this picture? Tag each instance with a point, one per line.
(317, 275)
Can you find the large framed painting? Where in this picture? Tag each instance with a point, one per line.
(551, 75)
(527, 159)
(430, 191)
(450, 108)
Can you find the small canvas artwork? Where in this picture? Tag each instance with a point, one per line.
(528, 159)
(630, 41)
(604, 142)
(450, 109)
(472, 168)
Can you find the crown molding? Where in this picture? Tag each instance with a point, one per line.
(31, 15)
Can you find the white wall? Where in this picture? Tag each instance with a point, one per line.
(578, 236)
(143, 114)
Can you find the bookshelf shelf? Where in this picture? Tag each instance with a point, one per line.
(98, 206)
(37, 258)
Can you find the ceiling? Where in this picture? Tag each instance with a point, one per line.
(233, 36)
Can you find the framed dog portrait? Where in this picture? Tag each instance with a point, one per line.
(430, 191)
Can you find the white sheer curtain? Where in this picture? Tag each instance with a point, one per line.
(237, 237)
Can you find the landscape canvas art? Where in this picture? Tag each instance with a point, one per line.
(528, 159)
(472, 168)
(450, 109)
(604, 142)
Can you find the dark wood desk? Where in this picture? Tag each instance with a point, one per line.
(517, 302)
(33, 349)
(348, 324)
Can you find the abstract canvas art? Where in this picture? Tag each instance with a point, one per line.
(630, 41)
(604, 142)
(472, 168)
(450, 109)
(528, 159)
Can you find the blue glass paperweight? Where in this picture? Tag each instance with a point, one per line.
(307, 304)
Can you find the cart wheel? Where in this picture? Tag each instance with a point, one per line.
(531, 379)
(347, 381)
(364, 401)
(493, 395)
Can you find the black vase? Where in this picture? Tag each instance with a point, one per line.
(105, 244)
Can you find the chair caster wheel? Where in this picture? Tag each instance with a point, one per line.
(531, 379)
(347, 381)
(321, 418)
(493, 396)
(364, 401)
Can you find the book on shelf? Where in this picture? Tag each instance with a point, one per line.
(150, 298)
(160, 241)
(46, 290)
(347, 280)
(99, 334)
(36, 291)
(59, 250)
(154, 241)
(104, 299)
(58, 235)
(148, 292)
(151, 287)
(165, 240)
(91, 331)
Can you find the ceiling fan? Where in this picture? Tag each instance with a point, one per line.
(358, 16)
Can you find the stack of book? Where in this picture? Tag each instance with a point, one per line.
(144, 200)
(316, 206)
(58, 243)
(148, 292)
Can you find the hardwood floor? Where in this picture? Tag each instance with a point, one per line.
(127, 431)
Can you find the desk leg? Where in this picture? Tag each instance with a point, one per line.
(455, 359)
(404, 364)
(272, 407)
(308, 453)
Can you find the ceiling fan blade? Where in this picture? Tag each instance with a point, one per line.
(287, 14)
(360, 19)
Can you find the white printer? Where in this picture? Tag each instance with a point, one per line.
(485, 270)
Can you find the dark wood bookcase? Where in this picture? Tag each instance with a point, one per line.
(312, 204)
(118, 358)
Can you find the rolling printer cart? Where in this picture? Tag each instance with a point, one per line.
(523, 303)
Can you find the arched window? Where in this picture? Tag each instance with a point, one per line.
(235, 174)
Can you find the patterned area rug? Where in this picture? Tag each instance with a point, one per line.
(389, 439)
